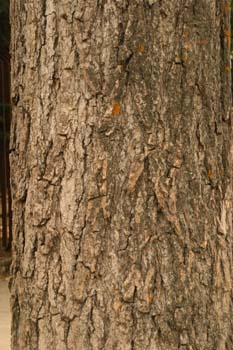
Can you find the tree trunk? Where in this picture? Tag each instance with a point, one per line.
(121, 175)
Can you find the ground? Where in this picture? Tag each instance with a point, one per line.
(4, 314)
(5, 260)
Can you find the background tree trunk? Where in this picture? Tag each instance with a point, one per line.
(121, 175)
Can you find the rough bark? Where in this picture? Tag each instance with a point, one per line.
(121, 175)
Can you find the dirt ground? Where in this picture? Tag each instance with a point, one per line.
(4, 315)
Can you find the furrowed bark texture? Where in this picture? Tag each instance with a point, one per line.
(121, 175)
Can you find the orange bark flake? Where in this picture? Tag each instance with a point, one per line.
(116, 108)
(228, 68)
(188, 46)
(227, 8)
(210, 174)
(141, 48)
(117, 305)
(150, 298)
(228, 33)
(203, 41)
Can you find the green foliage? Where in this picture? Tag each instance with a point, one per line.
(4, 24)
(4, 6)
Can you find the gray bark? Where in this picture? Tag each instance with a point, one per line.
(121, 156)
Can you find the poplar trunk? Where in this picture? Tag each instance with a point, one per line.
(121, 158)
